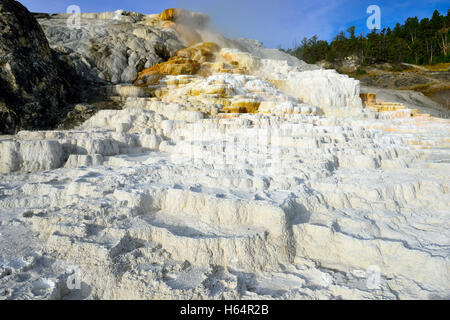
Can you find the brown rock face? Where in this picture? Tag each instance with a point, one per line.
(30, 89)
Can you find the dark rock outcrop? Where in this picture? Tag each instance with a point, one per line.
(32, 93)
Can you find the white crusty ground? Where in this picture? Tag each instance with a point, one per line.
(162, 201)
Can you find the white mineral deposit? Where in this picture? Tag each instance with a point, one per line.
(257, 177)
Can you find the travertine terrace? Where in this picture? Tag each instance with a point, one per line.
(230, 173)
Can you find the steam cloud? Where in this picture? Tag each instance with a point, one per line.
(270, 21)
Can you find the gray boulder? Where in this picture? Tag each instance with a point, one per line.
(112, 46)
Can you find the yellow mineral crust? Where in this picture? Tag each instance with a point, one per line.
(243, 106)
(218, 91)
(396, 110)
(201, 59)
(240, 59)
(202, 52)
(175, 66)
(368, 99)
(173, 14)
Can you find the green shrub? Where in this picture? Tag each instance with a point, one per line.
(360, 72)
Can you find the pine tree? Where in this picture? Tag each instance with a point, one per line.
(419, 42)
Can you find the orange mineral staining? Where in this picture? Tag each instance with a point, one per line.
(173, 14)
(202, 59)
(175, 66)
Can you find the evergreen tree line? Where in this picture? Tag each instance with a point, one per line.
(417, 42)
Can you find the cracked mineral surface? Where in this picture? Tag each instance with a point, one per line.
(259, 178)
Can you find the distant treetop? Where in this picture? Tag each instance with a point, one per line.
(418, 42)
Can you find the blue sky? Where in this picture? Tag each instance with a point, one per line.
(273, 22)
